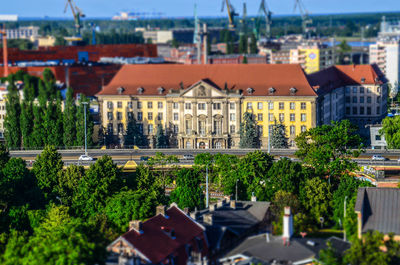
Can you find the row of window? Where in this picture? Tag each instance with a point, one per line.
(232, 116)
(202, 128)
(361, 89)
(139, 105)
(361, 111)
(361, 99)
(110, 116)
(202, 106)
(281, 105)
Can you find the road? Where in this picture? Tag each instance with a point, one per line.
(121, 156)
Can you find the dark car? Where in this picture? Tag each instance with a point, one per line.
(144, 158)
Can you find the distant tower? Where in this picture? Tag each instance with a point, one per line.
(196, 25)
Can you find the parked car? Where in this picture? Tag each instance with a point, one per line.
(379, 158)
(85, 158)
(144, 158)
(188, 157)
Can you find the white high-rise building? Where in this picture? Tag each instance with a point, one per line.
(386, 54)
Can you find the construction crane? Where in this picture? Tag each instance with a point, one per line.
(78, 14)
(231, 12)
(268, 18)
(3, 33)
(298, 4)
(244, 20)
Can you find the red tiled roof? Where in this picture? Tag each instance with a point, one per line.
(282, 77)
(155, 244)
(341, 75)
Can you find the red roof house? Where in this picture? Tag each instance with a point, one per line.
(170, 237)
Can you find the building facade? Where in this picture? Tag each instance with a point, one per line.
(354, 92)
(313, 57)
(201, 106)
(386, 54)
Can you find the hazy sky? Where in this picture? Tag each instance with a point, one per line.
(108, 8)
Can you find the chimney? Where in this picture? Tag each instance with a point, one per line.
(233, 204)
(205, 43)
(208, 218)
(213, 207)
(194, 215)
(186, 210)
(287, 224)
(253, 197)
(136, 225)
(160, 210)
(220, 203)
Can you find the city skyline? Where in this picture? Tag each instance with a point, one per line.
(101, 8)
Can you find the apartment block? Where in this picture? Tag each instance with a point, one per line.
(313, 57)
(386, 54)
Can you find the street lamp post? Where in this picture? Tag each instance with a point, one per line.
(84, 111)
(269, 140)
(236, 189)
(207, 198)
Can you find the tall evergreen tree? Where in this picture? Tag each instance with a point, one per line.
(161, 138)
(38, 129)
(253, 44)
(26, 123)
(278, 137)
(248, 132)
(80, 123)
(69, 119)
(243, 45)
(12, 132)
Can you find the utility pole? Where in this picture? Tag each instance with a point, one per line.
(268, 131)
(207, 187)
(84, 107)
(344, 219)
(236, 189)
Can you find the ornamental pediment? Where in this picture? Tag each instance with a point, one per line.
(202, 89)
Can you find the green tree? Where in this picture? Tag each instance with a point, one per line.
(69, 119)
(13, 174)
(285, 175)
(330, 256)
(4, 155)
(391, 131)
(317, 198)
(12, 131)
(253, 44)
(278, 136)
(243, 45)
(46, 168)
(348, 187)
(161, 138)
(367, 250)
(188, 192)
(130, 205)
(249, 137)
(244, 60)
(26, 123)
(343, 49)
(101, 181)
(328, 148)
(68, 182)
(60, 239)
(160, 160)
(134, 135)
(38, 129)
(252, 172)
(281, 200)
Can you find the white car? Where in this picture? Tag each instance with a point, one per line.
(378, 158)
(85, 158)
(188, 157)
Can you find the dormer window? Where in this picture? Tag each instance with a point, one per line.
(120, 90)
(250, 90)
(140, 90)
(293, 90)
(271, 90)
(160, 90)
(376, 79)
(362, 79)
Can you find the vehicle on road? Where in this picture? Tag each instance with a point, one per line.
(285, 157)
(188, 157)
(378, 158)
(85, 158)
(144, 158)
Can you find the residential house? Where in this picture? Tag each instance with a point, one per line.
(170, 237)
